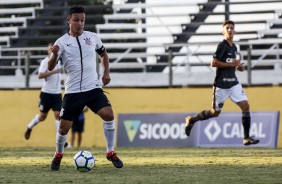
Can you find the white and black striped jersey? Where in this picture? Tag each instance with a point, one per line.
(78, 55)
(52, 84)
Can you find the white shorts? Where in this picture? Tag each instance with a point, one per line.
(236, 94)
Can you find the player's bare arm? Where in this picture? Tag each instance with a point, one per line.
(53, 60)
(216, 63)
(106, 79)
(47, 74)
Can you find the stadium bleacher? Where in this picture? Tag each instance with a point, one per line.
(139, 35)
(32, 3)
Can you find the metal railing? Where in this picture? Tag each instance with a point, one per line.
(245, 55)
(20, 62)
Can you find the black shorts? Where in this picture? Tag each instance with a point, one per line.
(49, 101)
(74, 103)
(77, 125)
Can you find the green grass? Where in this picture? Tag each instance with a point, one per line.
(147, 165)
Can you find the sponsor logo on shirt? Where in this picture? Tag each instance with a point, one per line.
(229, 79)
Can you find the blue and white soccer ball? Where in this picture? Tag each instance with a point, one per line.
(84, 161)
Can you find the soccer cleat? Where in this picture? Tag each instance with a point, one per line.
(69, 145)
(56, 162)
(112, 156)
(189, 126)
(250, 141)
(66, 144)
(27, 133)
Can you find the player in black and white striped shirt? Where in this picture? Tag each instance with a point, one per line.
(78, 49)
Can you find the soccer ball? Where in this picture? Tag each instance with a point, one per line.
(84, 161)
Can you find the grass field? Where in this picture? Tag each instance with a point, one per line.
(22, 162)
(150, 165)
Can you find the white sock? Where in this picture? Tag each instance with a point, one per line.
(57, 124)
(109, 131)
(60, 142)
(33, 122)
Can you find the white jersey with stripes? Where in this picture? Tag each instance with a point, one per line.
(78, 55)
(52, 84)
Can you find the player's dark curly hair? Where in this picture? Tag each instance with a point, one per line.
(76, 9)
(228, 22)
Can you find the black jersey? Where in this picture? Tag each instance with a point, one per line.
(225, 77)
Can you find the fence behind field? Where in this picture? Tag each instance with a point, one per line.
(186, 69)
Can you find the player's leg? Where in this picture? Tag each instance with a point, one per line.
(80, 131)
(57, 124)
(246, 122)
(69, 108)
(100, 105)
(79, 138)
(246, 118)
(61, 137)
(74, 130)
(72, 138)
(56, 107)
(203, 115)
(57, 119)
(240, 98)
(37, 118)
(219, 96)
(106, 113)
(44, 107)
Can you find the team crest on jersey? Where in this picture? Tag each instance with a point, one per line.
(87, 41)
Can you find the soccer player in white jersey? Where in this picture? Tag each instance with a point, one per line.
(226, 84)
(50, 95)
(78, 49)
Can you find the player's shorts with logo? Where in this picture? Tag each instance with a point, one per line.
(74, 103)
(235, 93)
(49, 101)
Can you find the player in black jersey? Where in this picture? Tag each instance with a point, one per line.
(226, 84)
